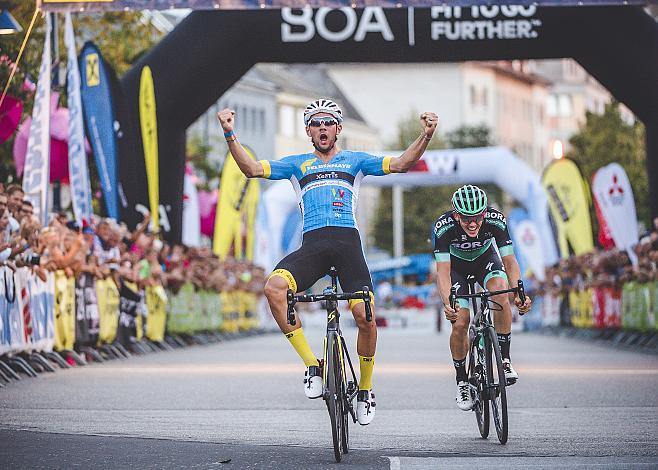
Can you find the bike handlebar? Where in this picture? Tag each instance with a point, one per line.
(519, 289)
(292, 299)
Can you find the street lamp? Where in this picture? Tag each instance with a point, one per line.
(8, 25)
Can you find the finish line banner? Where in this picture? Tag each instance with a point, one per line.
(106, 5)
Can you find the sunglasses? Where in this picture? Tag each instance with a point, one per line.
(475, 218)
(323, 121)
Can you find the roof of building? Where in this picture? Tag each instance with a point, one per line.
(310, 80)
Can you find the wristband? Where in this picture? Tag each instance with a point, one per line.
(228, 134)
(425, 137)
(231, 139)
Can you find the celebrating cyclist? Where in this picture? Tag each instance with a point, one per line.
(327, 185)
(464, 246)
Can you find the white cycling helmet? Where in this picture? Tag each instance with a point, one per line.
(322, 105)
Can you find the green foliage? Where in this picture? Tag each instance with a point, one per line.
(423, 205)
(197, 155)
(606, 138)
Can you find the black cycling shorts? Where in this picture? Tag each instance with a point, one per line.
(484, 267)
(321, 249)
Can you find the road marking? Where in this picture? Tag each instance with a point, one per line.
(381, 369)
(395, 462)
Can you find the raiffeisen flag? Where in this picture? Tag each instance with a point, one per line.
(614, 196)
(78, 171)
(568, 200)
(37, 158)
(99, 117)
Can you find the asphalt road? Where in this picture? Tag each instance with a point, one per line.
(240, 404)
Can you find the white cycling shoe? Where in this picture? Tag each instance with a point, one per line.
(464, 401)
(510, 373)
(365, 407)
(313, 382)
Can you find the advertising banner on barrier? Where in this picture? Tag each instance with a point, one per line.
(568, 200)
(99, 117)
(36, 173)
(78, 171)
(614, 196)
(607, 307)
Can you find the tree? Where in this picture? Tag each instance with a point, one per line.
(121, 36)
(606, 138)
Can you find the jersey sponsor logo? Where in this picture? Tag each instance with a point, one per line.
(338, 193)
(489, 265)
(440, 231)
(304, 166)
(443, 221)
(337, 204)
(326, 175)
(495, 215)
(468, 245)
(498, 224)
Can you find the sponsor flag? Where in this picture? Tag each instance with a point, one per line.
(37, 160)
(191, 216)
(78, 171)
(236, 212)
(99, 117)
(527, 243)
(149, 125)
(568, 201)
(614, 196)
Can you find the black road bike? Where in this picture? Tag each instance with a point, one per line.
(340, 384)
(486, 375)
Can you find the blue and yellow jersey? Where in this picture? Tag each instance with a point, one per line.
(327, 192)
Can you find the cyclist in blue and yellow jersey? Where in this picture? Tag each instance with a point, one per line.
(327, 184)
(464, 246)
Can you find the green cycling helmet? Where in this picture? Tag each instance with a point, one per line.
(469, 200)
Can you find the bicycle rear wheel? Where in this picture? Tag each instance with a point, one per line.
(342, 398)
(332, 399)
(476, 381)
(497, 385)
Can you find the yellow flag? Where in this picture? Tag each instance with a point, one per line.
(569, 202)
(236, 212)
(149, 124)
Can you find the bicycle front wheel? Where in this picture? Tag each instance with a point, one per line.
(496, 385)
(476, 382)
(332, 398)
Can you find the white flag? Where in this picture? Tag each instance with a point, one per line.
(191, 217)
(78, 171)
(614, 195)
(37, 159)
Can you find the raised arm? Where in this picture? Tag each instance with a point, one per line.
(404, 162)
(247, 165)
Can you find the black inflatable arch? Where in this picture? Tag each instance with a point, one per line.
(210, 50)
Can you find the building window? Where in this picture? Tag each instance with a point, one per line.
(565, 105)
(262, 120)
(474, 98)
(287, 120)
(551, 105)
(299, 123)
(485, 97)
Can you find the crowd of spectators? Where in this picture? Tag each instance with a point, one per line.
(605, 268)
(104, 248)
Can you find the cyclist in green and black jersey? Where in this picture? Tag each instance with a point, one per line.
(464, 246)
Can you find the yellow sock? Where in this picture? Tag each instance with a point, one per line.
(366, 365)
(299, 342)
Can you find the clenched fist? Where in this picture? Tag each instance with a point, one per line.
(429, 120)
(226, 119)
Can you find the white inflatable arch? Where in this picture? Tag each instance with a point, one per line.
(497, 165)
